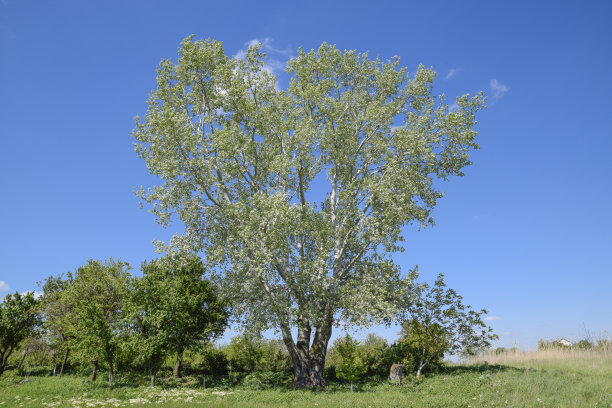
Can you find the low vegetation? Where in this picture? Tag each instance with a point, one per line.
(132, 337)
(563, 378)
(252, 372)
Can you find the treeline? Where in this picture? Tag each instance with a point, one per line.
(103, 317)
(600, 344)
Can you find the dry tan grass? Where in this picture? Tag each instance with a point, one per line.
(540, 355)
(598, 357)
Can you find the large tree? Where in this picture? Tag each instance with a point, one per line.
(298, 196)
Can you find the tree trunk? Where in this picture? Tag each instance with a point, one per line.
(418, 373)
(179, 364)
(4, 359)
(308, 363)
(64, 362)
(351, 386)
(94, 375)
(110, 373)
(23, 357)
(153, 373)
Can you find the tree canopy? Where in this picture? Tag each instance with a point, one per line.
(441, 324)
(95, 297)
(18, 319)
(298, 197)
(172, 308)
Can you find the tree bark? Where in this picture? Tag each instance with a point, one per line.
(153, 373)
(179, 364)
(94, 375)
(4, 356)
(308, 363)
(64, 362)
(110, 373)
(23, 357)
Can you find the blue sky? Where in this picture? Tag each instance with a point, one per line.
(526, 233)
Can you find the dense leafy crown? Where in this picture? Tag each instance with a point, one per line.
(244, 165)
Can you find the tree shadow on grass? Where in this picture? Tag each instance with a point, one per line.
(475, 368)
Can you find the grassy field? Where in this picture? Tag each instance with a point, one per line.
(551, 378)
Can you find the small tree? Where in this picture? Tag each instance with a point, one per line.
(18, 319)
(352, 366)
(375, 352)
(56, 313)
(172, 308)
(244, 353)
(440, 323)
(95, 297)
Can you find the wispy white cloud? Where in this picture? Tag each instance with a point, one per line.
(4, 287)
(492, 318)
(272, 66)
(453, 107)
(276, 57)
(498, 88)
(37, 295)
(266, 44)
(450, 74)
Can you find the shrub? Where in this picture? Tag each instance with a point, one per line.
(265, 380)
(213, 362)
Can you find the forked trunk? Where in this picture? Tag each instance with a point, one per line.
(179, 364)
(4, 356)
(307, 362)
(94, 374)
(306, 375)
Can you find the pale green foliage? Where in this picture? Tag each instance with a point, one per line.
(352, 366)
(441, 324)
(18, 319)
(240, 159)
(95, 297)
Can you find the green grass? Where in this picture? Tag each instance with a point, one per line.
(521, 383)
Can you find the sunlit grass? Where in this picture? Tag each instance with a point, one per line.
(549, 378)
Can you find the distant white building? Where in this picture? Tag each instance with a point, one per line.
(565, 342)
